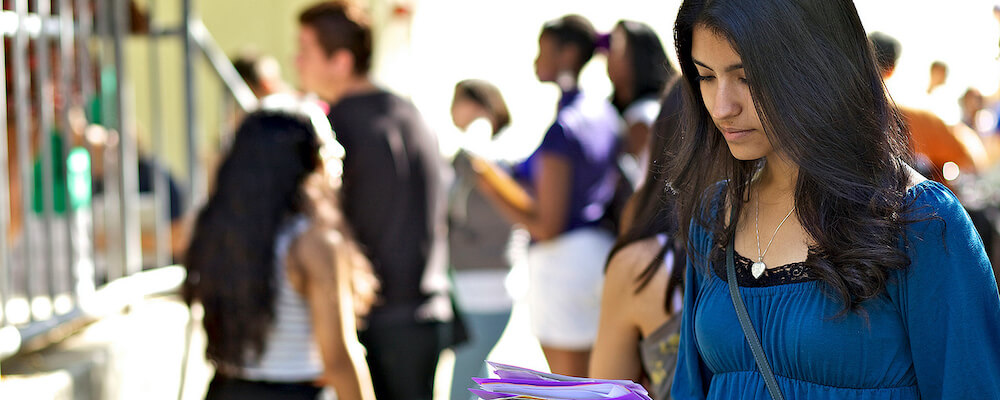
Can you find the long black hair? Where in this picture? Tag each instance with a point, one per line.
(822, 103)
(653, 202)
(650, 68)
(231, 259)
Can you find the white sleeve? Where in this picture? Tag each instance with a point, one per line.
(642, 111)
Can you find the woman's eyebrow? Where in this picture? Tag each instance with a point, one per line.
(728, 69)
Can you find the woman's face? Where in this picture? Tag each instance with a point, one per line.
(464, 111)
(547, 61)
(619, 68)
(726, 94)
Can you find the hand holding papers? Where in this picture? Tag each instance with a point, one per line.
(521, 383)
(500, 182)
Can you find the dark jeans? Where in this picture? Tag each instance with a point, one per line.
(403, 358)
(225, 388)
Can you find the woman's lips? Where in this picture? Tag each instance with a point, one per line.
(736, 134)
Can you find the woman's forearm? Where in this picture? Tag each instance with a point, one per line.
(350, 376)
(546, 217)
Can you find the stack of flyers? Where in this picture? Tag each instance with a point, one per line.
(522, 383)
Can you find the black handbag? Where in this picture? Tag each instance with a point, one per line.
(748, 332)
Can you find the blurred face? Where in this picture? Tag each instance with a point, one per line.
(464, 111)
(315, 69)
(619, 65)
(972, 101)
(726, 94)
(547, 61)
(938, 75)
(269, 72)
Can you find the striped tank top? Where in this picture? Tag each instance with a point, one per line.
(290, 350)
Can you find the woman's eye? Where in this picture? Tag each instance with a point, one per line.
(704, 78)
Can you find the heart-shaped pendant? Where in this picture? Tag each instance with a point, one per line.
(757, 269)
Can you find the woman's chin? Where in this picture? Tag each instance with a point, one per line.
(743, 153)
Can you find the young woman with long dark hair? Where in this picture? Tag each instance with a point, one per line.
(859, 278)
(639, 71)
(640, 307)
(274, 265)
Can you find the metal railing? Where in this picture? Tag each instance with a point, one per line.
(64, 243)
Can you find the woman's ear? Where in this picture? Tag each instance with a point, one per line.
(569, 59)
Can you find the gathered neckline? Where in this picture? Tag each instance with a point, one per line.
(783, 274)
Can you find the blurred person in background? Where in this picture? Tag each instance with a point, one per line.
(94, 143)
(478, 236)
(275, 265)
(393, 195)
(641, 305)
(638, 69)
(975, 115)
(941, 95)
(261, 72)
(570, 179)
(934, 143)
(938, 76)
(937, 146)
(100, 141)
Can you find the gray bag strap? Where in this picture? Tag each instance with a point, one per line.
(747, 325)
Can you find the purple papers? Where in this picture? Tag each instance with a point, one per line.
(522, 383)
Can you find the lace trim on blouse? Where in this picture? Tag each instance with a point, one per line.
(785, 274)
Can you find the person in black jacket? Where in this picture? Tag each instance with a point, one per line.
(393, 196)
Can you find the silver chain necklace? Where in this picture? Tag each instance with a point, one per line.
(757, 269)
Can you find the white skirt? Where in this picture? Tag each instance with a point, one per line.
(566, 275)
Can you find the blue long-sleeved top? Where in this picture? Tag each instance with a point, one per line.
(934, 333)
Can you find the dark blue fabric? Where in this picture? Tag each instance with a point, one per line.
(585, 133)
(934, 333)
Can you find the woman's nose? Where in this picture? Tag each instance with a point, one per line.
(727, 103)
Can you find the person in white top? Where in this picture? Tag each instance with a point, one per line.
(275, 266)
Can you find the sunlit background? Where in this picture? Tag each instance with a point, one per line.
(425, 46)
